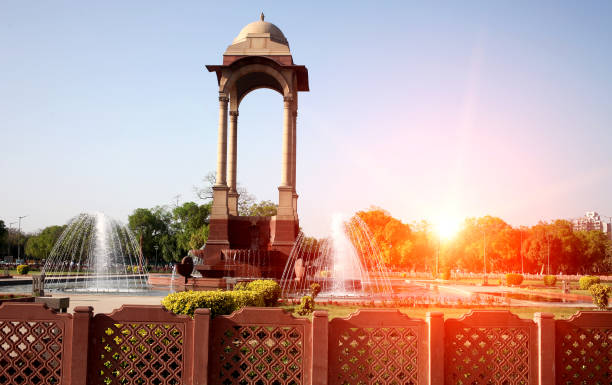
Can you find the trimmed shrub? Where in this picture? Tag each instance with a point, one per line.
(550, 280)
(514, 279)
(219, 302)
(306, 305)
(445, 275)
(601, 294)
(269, 289)
(588, 280)
(23, 269)
(315, 289)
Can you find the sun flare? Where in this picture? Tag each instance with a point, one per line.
(448, 227)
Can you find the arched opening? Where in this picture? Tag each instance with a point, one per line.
(260, 128)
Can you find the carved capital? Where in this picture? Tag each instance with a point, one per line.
(233, 114)
(288, 99)
(223, 99)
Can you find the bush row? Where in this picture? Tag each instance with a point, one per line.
(514, 279)
(255, 293)
(23, 269)
(586, 281)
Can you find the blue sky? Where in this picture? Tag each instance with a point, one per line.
(427, 110)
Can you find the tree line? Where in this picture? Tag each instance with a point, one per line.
(167, 232)
(553, 247)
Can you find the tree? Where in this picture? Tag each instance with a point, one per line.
(3, 236)
(151, 224)
(392, 236)
(39, 246)
(205, 193)
(262, 209)
(191, 225)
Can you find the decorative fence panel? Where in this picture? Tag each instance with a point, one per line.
(140, 345)
(260, 346)
(377, 347)
(583, 349)
(490, 347)
(33, 344)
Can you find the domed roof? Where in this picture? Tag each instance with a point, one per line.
(260, 27)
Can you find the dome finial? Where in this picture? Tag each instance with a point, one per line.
(262, 17)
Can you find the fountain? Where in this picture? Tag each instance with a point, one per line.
(348, 264)
(96, 254)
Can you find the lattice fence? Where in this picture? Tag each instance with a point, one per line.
(31, 344)
(486, 347)
(377, 347)
(259, 346)
(583, 349)
(127, 350)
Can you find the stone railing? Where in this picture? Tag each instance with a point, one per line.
(147, 345)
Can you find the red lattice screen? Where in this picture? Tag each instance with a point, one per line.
(259, 346)
(486, 347)
(377, 347)
(31, 344)
(583, 349)
(127, 350)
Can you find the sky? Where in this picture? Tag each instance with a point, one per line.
(427, 109)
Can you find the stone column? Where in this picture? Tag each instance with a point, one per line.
(287, 144)
(294, 161)
(285, 218)
(219, 207)
(232, 197)
(222, 143)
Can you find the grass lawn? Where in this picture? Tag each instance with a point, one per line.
(335, 311)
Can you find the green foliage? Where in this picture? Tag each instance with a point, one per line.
(306, 305)
(601, 294)
(219, 302)
(550, 280)
(269, 289)
(263, 209)
(588, 280)
(23, 269)
(3, 234)
(40, 245)
(514, 279)
(315, 289)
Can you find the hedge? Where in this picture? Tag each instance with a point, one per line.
(601, 294)
(219, 302)
(586, 281)
(514, 279)
(269, 289)
(23, 269)
(550, 280)
(261, 292)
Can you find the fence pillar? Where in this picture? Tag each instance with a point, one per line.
(318, 349)
(435, 333)
(201, 320)
(81, 321)
(546, 347)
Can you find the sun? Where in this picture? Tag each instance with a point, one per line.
(447, 227)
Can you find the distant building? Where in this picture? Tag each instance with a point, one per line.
(592, 221)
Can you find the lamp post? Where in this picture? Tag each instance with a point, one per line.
(438, 257)
(484, 253)
(8, 243)
(141, 230)
(521, 250)
(19, 237)
(548, 254)
(156, 247)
